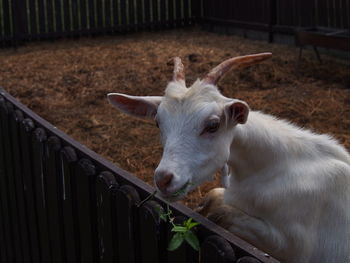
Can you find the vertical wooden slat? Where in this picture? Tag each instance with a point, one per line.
(68, 159)
(41, 17)
(123, 15)
(152, 238)
(171, 12)
(26, 128)
(75, 15)
(66, 17)
(126, 200)
(148, 14)
(108, 15)
(155, 14)
(6, 217)
(7, 18)
(86, 200)
(106, 186)
(186, 15)
(84, 16)
(91, 13)
(53, 184)
(3, 253)
(178, 7)
(132, 17)
(16, 119)
(39, 174)
(100, 14)
(6, 111)
(139, 14)
(163, 14)
(20, 19)
(50, 18)
(215, 249)
(59, 18)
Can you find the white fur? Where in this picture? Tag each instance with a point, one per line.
(289, 188)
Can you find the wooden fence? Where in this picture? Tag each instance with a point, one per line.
(22, 20)
(46, 19)
(277, 16)
(60, 202)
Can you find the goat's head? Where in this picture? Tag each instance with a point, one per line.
(195, 124)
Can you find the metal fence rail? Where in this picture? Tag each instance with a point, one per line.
(60, 202)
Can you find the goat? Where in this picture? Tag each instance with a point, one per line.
(288, 189)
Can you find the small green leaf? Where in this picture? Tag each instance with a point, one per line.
(180, 229)
(192, 239)
(192, 225)
(163, 217)
(175, 242)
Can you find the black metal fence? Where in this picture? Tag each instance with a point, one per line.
(60, 202)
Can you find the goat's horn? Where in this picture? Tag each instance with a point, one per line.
(219, 71)
(179, 74)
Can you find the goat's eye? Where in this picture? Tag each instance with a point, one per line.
(212, 126)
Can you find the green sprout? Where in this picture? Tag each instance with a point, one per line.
(182, 232)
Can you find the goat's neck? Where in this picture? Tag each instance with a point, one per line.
(259, 143)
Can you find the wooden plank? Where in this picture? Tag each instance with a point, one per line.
(126, 200)
(50, 18)
(41, 17)
(148, 14)
(3, 253)
(171, 12)
(7, 18)
(186, 14)
(178, 13)
(123, 15)
(20, 20)
(247, 259)
(155, 14)
(53, 184)
(75, 15)
(68, 159)
(100, 14)
(139, 14)
(132, 16)
(66, 21)
(59, 18)
(39, 174)
(86, 204)
(91, 14)
(163, 14)
(26, 128)
(84, 16)
(215, 249)
(153, 243)
(16, 119)
(6, 111)
(106, 186)
(6, 218)
(108, 15)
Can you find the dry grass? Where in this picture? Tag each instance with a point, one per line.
(66, 82)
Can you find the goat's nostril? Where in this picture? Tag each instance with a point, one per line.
(165, 181)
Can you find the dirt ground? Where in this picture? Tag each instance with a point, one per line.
(66, 82)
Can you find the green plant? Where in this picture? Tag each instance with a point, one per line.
(182, 232)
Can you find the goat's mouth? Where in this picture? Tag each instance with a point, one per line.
(178, 194)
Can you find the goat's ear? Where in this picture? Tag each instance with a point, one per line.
(139, 106)
(237, 112)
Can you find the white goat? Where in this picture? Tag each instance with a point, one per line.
(289, 189)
